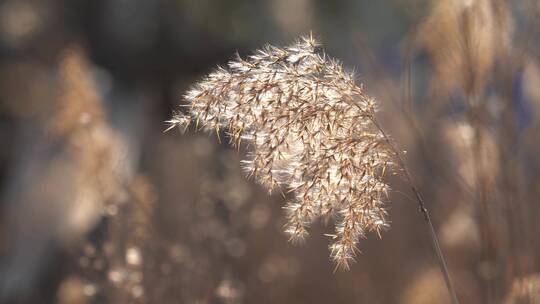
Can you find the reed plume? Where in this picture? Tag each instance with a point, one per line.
(309, 129)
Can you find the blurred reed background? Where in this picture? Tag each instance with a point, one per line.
(98, 205)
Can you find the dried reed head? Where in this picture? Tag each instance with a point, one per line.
(463, 39)
(79, 125)
(310, 129)
(79, 104)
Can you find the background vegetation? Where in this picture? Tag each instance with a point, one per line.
(97, 205)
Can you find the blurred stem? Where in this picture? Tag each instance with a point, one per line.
(489, 251)
(476, 112)
(427, 218)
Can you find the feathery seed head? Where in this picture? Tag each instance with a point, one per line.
(309, 129)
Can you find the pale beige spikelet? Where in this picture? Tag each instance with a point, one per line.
(309, 129)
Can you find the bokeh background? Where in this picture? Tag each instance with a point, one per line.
(99, 205)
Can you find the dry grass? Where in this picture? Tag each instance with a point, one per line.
(309, 130)
(98, 205)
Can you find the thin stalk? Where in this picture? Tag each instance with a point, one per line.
(427, 218)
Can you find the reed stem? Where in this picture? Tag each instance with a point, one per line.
(427, 218)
